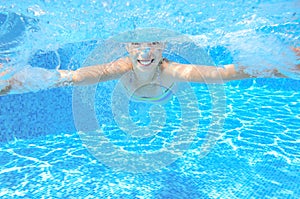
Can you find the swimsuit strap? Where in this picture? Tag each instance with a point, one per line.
(159, 99)
(166, 93)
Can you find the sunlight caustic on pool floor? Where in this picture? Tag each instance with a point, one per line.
(256, 155)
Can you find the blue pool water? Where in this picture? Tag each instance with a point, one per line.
(255, 155)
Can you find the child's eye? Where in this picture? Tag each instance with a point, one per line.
(135, 44)
(154, 43)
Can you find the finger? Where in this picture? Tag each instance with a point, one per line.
(297, 51)
(3, 73)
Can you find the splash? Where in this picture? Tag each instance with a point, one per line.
(252, 30)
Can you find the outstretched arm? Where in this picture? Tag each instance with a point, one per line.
(95, 74)
(33, 79)
(212, 74)
(204, 74)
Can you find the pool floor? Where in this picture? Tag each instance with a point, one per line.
(257, 156)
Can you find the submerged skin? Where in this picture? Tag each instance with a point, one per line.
(145, 67)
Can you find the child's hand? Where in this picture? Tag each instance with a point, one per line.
(3, 71)
(4, 85)
(297, 51)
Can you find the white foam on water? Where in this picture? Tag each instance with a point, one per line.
(258, 35)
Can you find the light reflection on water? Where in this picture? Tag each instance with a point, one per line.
(258, 154)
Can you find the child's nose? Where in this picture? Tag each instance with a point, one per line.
(145, 51)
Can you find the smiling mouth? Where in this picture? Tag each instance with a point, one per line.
(146, 62)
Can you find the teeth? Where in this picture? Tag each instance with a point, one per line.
(145, 62)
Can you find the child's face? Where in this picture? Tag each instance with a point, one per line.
(145, 55)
